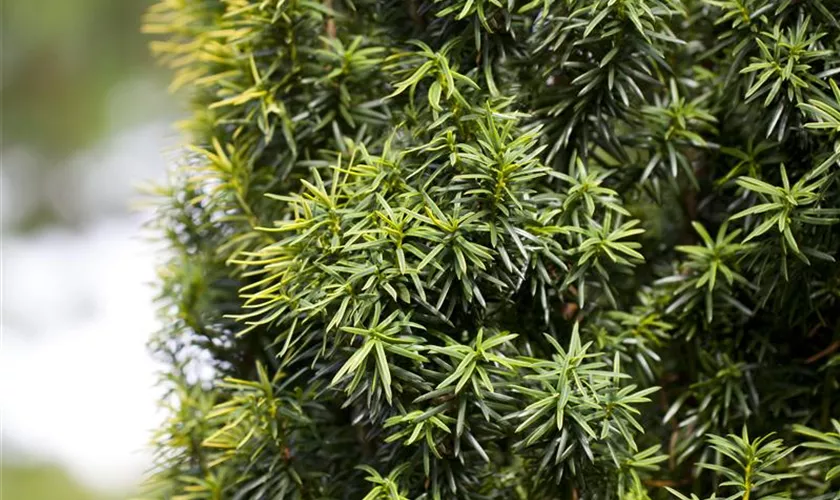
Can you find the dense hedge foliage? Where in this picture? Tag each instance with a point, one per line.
(548, 249)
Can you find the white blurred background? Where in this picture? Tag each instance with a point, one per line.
(85, 118)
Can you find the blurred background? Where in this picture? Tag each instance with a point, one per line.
(85, 118)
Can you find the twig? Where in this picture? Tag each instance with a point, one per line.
(330, 28)
(825, 352)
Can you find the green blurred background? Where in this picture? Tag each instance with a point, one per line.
(75, 74)
(71, 70)
(45, 482)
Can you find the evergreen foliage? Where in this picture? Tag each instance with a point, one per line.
(547, 249)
